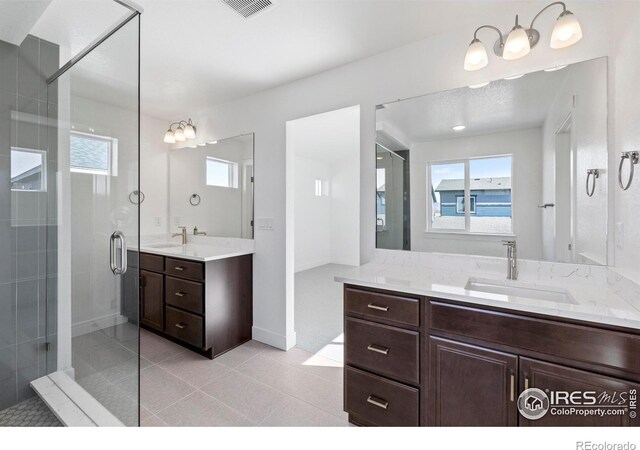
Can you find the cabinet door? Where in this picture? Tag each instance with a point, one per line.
(552, 377)
(152, 299)
(471, 386)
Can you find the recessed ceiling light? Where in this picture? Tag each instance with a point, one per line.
(479, 85)
(201, 144)
(553, 69)
(458, 127)
(515, 77)
(379, 157)
(212, 142)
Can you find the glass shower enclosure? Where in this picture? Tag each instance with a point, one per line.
(93, 226)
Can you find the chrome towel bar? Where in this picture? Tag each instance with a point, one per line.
(633, 158)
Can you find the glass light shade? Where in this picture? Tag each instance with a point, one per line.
(178, 135)
(169, 138)
(517, 44)
(476, 57)
(190, 132)
(566, 31)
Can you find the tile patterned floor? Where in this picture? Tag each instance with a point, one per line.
(29, 413)
(252, 385)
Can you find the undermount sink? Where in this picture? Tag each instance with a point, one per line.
(163, 245)
(519, 289)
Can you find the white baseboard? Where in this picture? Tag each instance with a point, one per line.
(311, 265)
(274, 339)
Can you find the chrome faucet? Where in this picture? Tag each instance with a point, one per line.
(198, 233)
(512, 259)
(183, 233)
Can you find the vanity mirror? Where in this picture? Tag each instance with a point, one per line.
(522, 158)
(211, 188)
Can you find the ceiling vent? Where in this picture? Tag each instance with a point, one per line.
(250, 8)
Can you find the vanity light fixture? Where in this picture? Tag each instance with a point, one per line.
(479, 85)
(458, 127)
(519, 41)
(184, 131)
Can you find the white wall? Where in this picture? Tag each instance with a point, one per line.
(527, 192)
(587, 82)
(431, 65)
(313, 216)
(154, 176)
(345, 205)
(624, 74)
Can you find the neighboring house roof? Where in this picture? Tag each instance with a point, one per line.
(477, 184)
(33, 173)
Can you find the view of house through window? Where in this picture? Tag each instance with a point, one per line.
(222, 173)
(485, 182)
(92, 154)
(27, 170)
(381, 215)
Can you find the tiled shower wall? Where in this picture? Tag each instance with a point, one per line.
(27, 242)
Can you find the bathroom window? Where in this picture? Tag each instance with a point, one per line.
(92, 154)
(28, 170)
(222, 173)
(484, 183)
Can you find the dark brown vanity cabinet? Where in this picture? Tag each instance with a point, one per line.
(205, 306)
(151, 300)
(471, 386)
(466, 365)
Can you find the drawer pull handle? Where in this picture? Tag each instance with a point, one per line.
(180, 268)
(182, 326)
(375, 401)
(180, 294)
(512, 394)
(378, 349)
(378, 308)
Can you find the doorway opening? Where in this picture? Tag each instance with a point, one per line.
(323, 218)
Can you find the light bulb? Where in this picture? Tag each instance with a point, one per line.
(476, 57)
(566, 31)
(517, 44)
(190, 132)
(169, 138)
(178, 135)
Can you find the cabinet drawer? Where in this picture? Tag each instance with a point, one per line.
(382, 349)
(185, 269)
(184, 326)
(375, 305)
(378, 401)
(564, 340)
(152, 262)
(184, 294)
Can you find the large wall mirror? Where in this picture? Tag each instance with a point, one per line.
(523, 158)
(211, 188)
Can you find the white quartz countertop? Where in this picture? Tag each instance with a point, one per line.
(195, 251)
(592, 302)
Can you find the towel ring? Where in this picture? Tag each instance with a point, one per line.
(138, 194)
(592, 189)
(633, 160)
(194, 200)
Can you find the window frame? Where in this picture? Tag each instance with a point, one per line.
(43, 178)
(467, 195)
(233, 168)
(112, 157)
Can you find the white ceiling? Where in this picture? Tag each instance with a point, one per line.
(198, 53)
(502, 105)
(17, 18)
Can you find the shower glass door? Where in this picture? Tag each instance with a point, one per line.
(93, 288)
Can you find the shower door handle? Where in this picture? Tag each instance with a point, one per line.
(122, 267)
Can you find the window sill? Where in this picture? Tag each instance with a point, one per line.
(446, 233)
